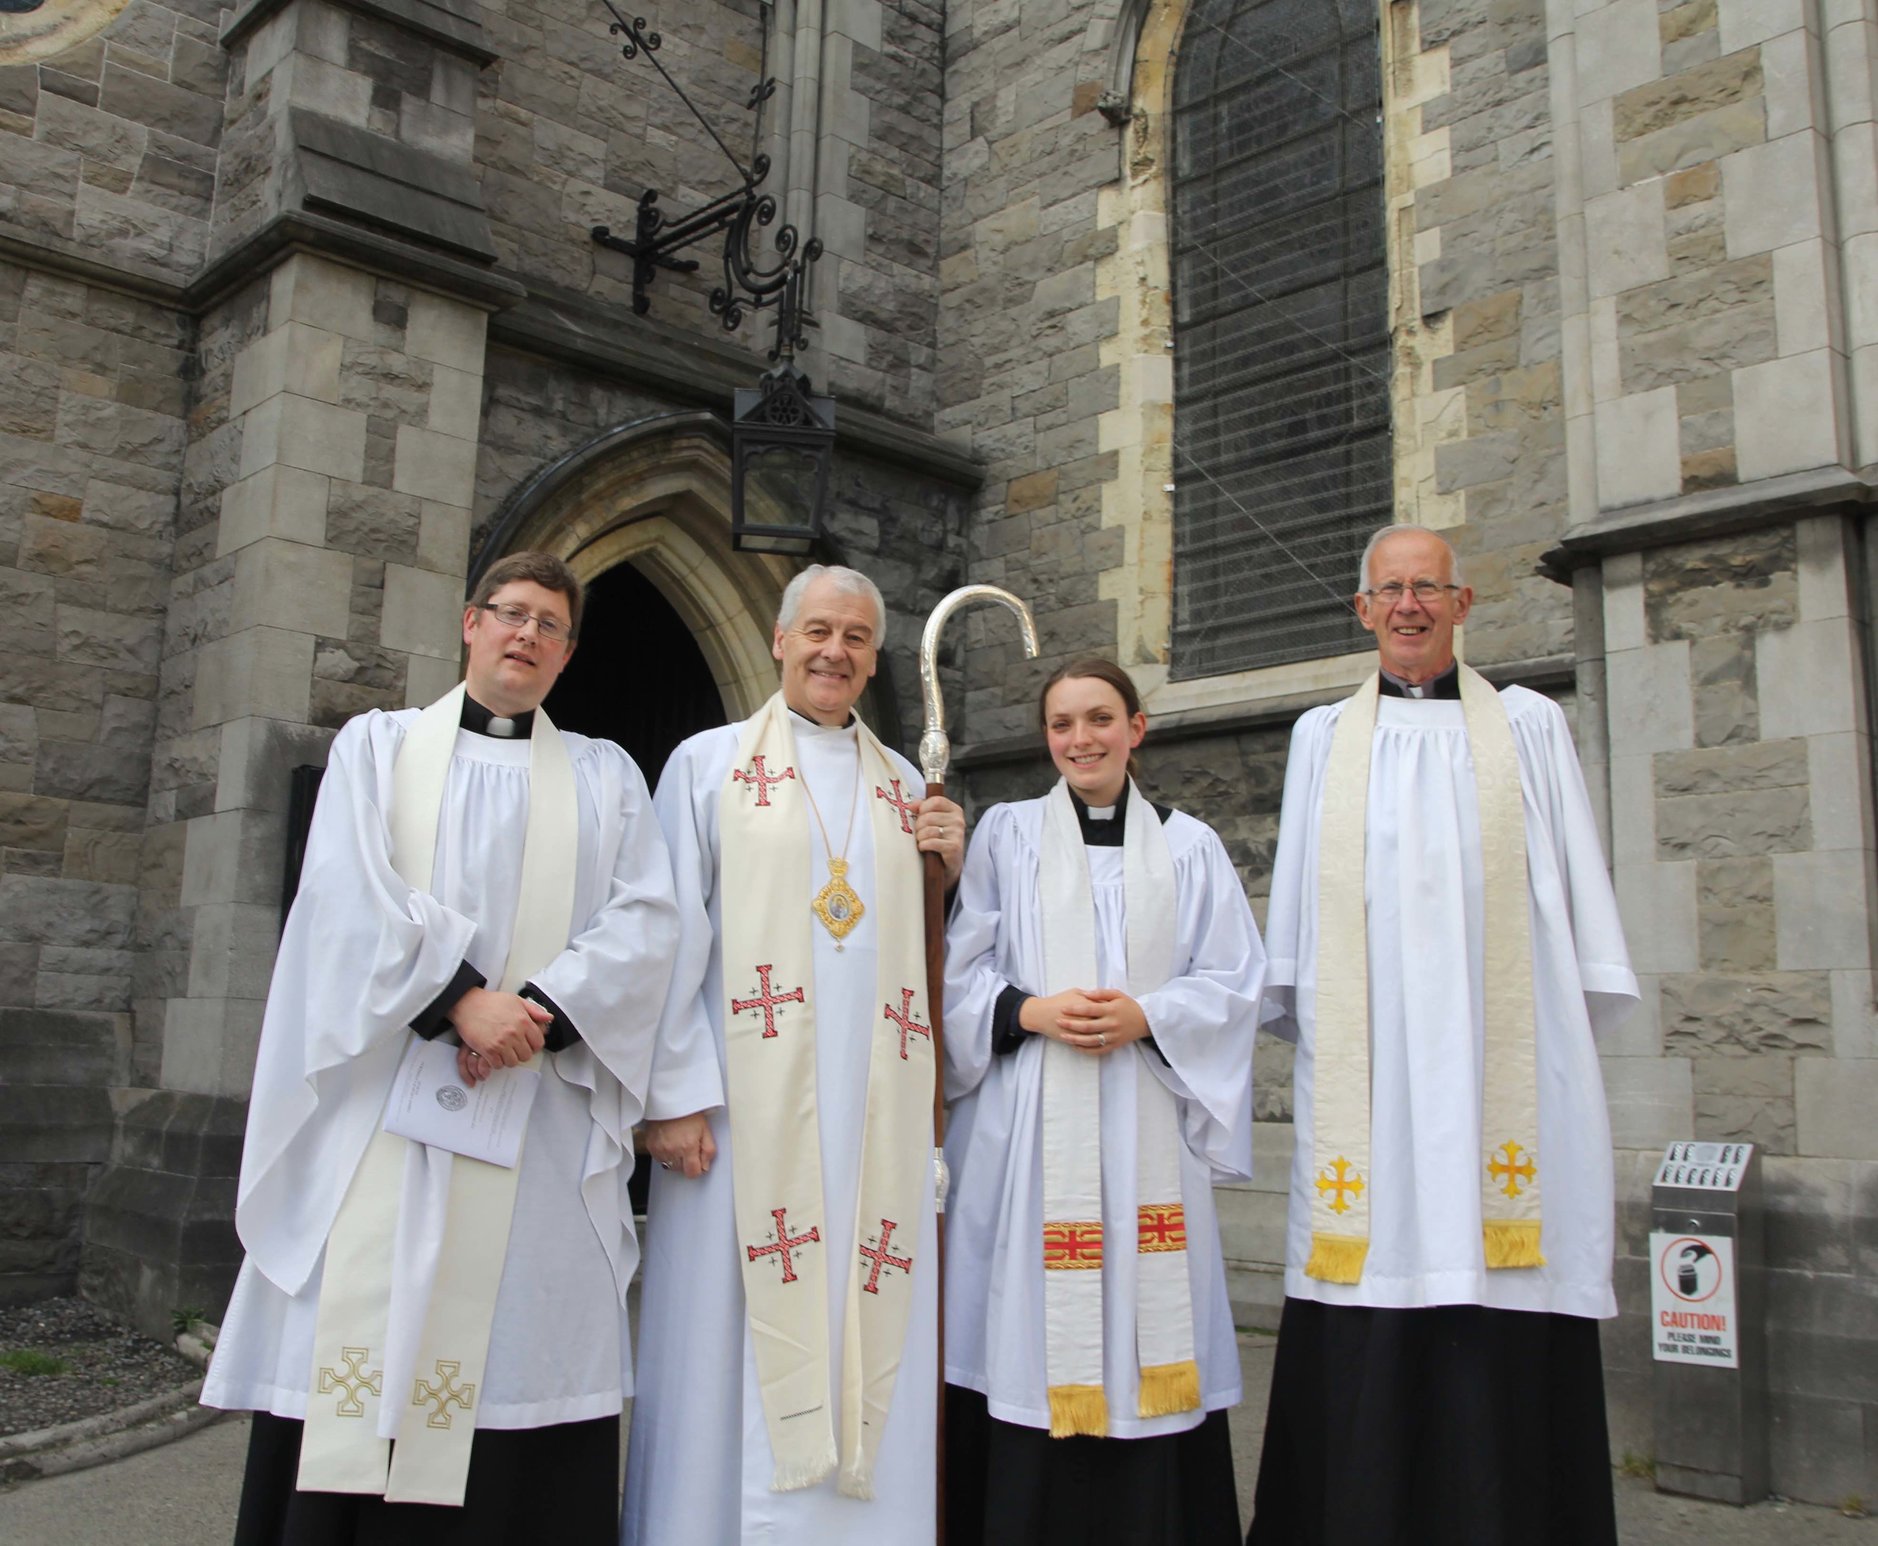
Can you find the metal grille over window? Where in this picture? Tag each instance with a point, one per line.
(1281, 336)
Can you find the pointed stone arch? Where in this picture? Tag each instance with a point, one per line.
(656, 493)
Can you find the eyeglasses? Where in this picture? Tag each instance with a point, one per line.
(1427, 592)
(509, 615)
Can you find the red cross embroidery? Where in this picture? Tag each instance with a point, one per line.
(903, 1017)
(1074, 1246)
(784, 1244)
(761, 778)
(767, 1001)
(878, 1255)
(1160, 1227)
(900, 803)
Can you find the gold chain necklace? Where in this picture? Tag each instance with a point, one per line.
(837, 904)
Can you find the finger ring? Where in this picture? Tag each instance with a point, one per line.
(665, 1164)
(1102, 1038)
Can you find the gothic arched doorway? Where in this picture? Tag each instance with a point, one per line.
(637, 676)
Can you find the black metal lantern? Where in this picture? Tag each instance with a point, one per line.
(782, 440)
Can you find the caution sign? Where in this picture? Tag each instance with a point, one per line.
(1692, 1300)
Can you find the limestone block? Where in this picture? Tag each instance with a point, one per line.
(209, 1045)
(1720, 82)
(446, 332)
(1735, 914)
(1657, 904)
(429, 678)
(1807, 675)
(456, 403)
(1790, 415)
(292, 358)
(1854, 1015)
(327, 295)
(1771, 194)
(1597, 147)
(1727, 703)
(439, 130)
(1795, 84)
(255, 758)
(291, 585)
(1619, 48)
(1716, 1014)
(304, 433)
(1806, 299)
(89, 636)
(1722, 770)
(423, 613)
(1823, 902)
(434, 466)
(1622, 575)
(1633, 804)
(265, 671)
(278, 501)
(1650, 709)
(79, 914)
(1651, 1100)
(443, 538)
(1743, 23)
(1859, 266)
(1840, 769)
(1835, 1099)
(231, 949)
(1639, 457)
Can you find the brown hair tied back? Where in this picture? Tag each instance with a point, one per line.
(542, 569)
(1102, 669)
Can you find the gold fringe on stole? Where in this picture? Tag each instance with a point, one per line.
(1169, 1387)
(1337, 1258)
(1512, 1243)
(1078, 1409)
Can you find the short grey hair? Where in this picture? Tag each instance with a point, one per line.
(1383, 533)
(850, 582)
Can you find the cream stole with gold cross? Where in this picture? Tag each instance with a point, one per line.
(1073, 1244)
(769, 1012)
(1509, 1122)
(433, 1226)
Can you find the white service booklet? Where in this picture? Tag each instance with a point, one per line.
(431, 1104)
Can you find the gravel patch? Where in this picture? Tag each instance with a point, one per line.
(106, 1365)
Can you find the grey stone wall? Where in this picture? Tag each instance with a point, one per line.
(92, 432)
(111, 145)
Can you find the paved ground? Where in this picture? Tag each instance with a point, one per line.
(184, 1495)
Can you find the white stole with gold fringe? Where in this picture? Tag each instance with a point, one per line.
(415, 1256)
(1072, 1244)
(769, 1014)
(1509, 1125)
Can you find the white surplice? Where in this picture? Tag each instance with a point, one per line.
(699, 1464)
(1203, 1020)
(1422, 882)
(362, 955)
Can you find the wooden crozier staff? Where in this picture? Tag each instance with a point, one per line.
(935, 753)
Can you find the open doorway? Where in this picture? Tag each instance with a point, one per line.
(637, 676)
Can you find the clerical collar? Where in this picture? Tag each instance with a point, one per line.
(816, 725)
(1446, 685)
(478, 719)
(1104, 826)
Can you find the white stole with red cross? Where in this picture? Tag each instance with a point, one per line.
(1509, 1120)
(414, 1259)
(1073, 1245)
(769, 1014)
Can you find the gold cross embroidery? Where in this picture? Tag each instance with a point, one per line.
(446, 1393)
(1344, 1180)
(1512, 1170)
(352, 1381)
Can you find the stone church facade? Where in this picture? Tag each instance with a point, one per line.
(302, 322)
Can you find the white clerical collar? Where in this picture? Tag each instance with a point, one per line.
(1101, 813)
(476, 718)
(815, 727)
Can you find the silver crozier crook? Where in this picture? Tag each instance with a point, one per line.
(935, 752)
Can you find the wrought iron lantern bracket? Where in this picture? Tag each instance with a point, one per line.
(750, 283)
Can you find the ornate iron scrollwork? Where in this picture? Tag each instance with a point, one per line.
(751, 284)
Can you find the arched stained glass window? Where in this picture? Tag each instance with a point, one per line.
(1281, 329)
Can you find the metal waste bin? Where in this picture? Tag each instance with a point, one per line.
(1707, 1332)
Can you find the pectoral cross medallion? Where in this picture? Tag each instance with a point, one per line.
(837, 904)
